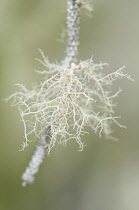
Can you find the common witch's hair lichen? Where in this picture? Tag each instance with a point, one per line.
(68, 99)
(71, 96)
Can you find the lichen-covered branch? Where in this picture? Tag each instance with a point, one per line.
(71, 96)
(28, 176)
(73, 18)
(73, 25)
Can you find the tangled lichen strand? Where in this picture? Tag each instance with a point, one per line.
(68, 99)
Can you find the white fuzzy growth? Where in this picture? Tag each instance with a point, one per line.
(73, 24)
(67, 100)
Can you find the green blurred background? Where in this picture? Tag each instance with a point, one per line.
(105, 176)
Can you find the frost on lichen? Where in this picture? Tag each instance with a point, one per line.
(68, 99)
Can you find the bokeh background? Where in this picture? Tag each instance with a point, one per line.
(105, 176)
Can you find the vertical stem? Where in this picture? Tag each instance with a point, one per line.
(73, 25)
